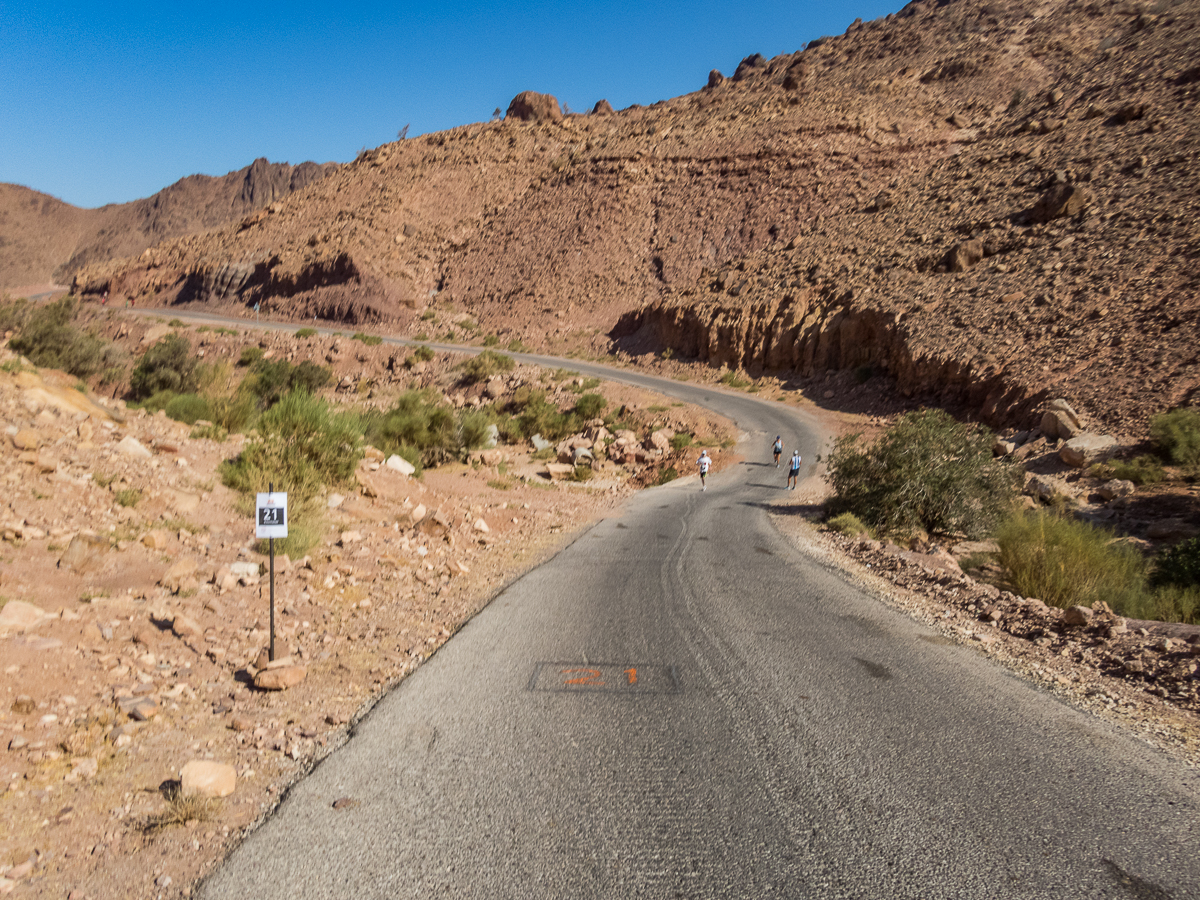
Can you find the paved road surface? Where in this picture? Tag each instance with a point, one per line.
(682, 705)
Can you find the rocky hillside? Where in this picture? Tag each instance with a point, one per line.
(991, 201)
(43, 239)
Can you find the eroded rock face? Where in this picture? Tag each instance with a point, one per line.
(530, 106)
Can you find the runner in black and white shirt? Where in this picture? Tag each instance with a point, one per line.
(704, 462)
(794, 470)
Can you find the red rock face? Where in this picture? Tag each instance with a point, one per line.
(982, 204)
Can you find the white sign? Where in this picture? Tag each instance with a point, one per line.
(270, 515)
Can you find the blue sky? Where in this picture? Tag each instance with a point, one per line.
(108, 102)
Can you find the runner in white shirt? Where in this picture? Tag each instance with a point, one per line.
(704, 462)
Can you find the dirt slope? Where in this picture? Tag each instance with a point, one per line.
(42, 238)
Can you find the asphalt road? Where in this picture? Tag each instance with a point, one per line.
(680, 704)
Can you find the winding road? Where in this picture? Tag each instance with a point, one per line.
(681, 704)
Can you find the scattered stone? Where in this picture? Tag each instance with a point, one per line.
(207, 778)
(85, 553)
(23, 705)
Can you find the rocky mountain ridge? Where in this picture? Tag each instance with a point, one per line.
(991, 203)
(44, 239)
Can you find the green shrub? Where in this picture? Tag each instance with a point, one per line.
(1064, 562)
(129, 497)
(423, 354)
(582, 473)
(177, 323)
(927, 471)
(371, 340)
(537, 415)
(1168, 603)
(734, 380)
(306, 333)
(157, 401)
(187, 408)
(589, 406)
(167, 366)
(232, 413)
(423, 430)
(473, 429)
(490, 340)
(682, 441)
(1177, 433)
(1144, 469)
(48, 339)
(270, 379)
(250, 355)
(302, 446)
(210, 432)
(428, 316)
(848, 524)
(1179, 566)
(666, 475)
(484, 365)
(516, 346)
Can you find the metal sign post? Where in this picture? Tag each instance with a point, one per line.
(270, 517)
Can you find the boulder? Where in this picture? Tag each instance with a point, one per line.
(180, 572)
(399, 464)
(1056, 424)
(559, 471)
(539, 443)
(184, 627)
(243, 569)
(530, 106)
(1077, 615)
(602, 108)
(661, 439)
(1117, 487)
(481, 526)
(417, 513)
(1060, 200)
(85, 553)
(435, 524)
(131, 446)
(183, 502)
(964, 255)
(715, 79)
(279, 678)
(207, 778)
(26, 439)
(1087, 448)
(17, 615)
(158, 539)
